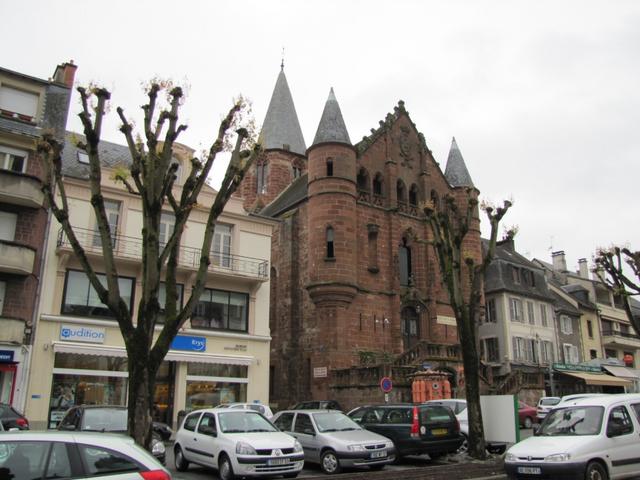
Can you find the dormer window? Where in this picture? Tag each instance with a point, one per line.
(83, 157)
(19, 102)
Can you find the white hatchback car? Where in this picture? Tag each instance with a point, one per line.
(258, 407)
(26, 455)
(594, 438)
(236, 442)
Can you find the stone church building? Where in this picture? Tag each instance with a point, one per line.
(356, 292)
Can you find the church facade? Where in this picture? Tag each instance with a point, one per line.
(356, 292)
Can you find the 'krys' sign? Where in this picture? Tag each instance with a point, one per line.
(77, 333)
(187, 342)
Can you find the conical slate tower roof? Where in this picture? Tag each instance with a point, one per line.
(281, 126)
(332, 127)
(456, 172)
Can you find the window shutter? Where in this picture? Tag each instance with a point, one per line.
(18, 101)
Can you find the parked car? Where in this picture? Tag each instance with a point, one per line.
(258, 407)
(596, 438)
(317, 405)
(414, 429)
(572, 398)
(78, 455)
(334, 441)
(526, 414)
(459, 408)
(544, 405)
(236, 442)
(11, 418)
(104, 418)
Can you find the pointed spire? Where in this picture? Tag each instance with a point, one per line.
(332, 127)
(456, 172)
(281, 128)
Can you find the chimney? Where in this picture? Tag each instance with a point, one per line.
(65, 73)
(559, 262)
(583, 268)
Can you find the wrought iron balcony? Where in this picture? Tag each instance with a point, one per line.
(130, 248)
(612, 337)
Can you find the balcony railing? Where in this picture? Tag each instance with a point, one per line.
(131, 248)
(615, 333)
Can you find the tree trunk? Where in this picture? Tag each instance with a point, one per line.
(142, 380)
(472, 387)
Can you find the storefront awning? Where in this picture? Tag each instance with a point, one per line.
(173, 355)
(599, 379)
(623, 372)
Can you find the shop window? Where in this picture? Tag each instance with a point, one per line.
(217, 370)
(220, 309)
(208, 394)
(330, 243)
(80, 298)
(221, 246)
(13, 160)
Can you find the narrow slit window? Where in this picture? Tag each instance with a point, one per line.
(330, 167)
(330, 250)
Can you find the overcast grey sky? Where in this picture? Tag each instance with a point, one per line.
(542, 96)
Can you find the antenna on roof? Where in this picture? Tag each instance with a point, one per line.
(282, 63)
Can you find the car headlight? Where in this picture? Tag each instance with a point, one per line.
(243, 448)
(297, 448)
(157, 447)
(510, 457)
(388, 445)
(355, 448)
(558, 457)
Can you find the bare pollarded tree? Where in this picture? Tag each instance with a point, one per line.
(463, 277)
(150, 176)
(616, 267)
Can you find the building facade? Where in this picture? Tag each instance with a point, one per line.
(29, 106)
(356, 288)
(222, 352)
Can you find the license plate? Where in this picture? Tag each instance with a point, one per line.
(530, 470)
(380, 454)
(439, 431)
(277, 461)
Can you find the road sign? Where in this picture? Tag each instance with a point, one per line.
(386, 384)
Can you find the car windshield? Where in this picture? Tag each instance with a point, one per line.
(334, 422)
(549, 401)
(244, 421)
(572, 421)
(105, 419)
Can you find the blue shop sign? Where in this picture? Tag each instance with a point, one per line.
(6, 355)
(187, 342)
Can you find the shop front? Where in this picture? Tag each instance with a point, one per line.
(85, 365)
(575, 378)
(8, 373)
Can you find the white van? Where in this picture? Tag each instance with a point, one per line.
(594, 438)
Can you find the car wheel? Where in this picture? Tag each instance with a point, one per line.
(528, 422)
(329, 462)
(595, 471)
(181, 463)
(464, 447)
(225, 469)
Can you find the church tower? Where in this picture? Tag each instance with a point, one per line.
(332, 210)
(284, 158)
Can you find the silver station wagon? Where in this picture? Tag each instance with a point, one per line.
(334, 441)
